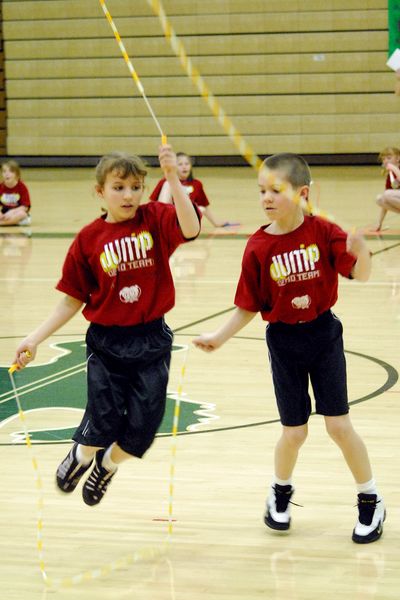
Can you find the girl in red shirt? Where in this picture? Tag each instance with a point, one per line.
(193, 187)
(15, 202)
(118, 269)
(389, 200)
(290, 275)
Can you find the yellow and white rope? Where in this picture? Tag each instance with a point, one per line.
(142, 554)
(132, 71)
(193, 73)
(175, 426)
(38, 479)
(224, 120)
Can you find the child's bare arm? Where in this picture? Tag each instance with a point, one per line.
(165, 195)
(356, 245)
(63, 312)
(212, 341)
(186, 213)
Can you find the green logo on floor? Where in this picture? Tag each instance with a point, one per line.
(53, 397)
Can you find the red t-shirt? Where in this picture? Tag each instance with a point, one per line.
(121, 270)
(14, 197)
(293, 277)
(194, 189)
(392, 182)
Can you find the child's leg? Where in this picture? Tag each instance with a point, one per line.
(390, 200)
(353, 448)
(382, 213)
(287, 449)
(14, 216)
(277, 515)
(370, 504)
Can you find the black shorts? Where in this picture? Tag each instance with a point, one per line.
(308, 351)
(127, 377)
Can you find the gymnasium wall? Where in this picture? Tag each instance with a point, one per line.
(294, 75)
(2, 93)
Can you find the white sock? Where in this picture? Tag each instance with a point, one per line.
(369, 487)
(83, 456)
(282, 481)
(107, 463)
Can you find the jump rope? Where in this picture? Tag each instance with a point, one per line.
(255, 161)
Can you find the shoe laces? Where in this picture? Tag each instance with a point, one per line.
(283, 496)
(366, 507)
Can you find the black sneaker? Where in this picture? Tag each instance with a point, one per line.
(371, 515)
(277, 515)
(70, 471)
(96, 484)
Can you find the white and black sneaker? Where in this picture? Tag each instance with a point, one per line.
(371, 515)
(98, 481)
(70, 471)
(277, 515)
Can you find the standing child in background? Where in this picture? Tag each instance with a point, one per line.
(14, 196)
(118, 268)
(193, 187)
(390, 199)
(290, 274)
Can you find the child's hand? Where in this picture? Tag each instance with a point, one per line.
(207, 342)
(24, 354)
(167, 158)
(355, 243)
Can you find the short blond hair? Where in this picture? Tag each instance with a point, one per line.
(389, 151)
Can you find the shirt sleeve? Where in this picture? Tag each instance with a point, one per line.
(201, 197)
(24, 199)
(343, 260)
(248, 294)
(77, 278)
(157, 190)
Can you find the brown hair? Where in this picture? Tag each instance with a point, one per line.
(123, 164)
(389, 151)
(13, 166)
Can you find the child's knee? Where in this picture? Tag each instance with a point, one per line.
(295, 436)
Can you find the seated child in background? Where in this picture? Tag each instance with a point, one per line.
(193, 187)
(390, 199)
(14, 196)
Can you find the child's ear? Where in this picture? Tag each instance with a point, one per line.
(98, 190)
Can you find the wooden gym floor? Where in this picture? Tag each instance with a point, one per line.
(220, 547)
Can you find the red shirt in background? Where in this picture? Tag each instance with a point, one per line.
(14, 197)
(194, 187)
(293, 277)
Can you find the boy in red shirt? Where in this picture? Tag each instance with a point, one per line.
(290, 275)
(118, 268)
(15, 202)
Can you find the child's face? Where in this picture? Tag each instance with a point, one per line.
(121, 196)
(276, 194)
(393, 159)
(9, 177)
(184, 167)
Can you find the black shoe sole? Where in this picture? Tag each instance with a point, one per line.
(269, 521)
(374, 536)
